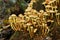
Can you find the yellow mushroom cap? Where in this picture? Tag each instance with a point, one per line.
(28, 24)
(20, 15)
(41, 11)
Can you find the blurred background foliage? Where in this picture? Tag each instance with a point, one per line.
(8, 7)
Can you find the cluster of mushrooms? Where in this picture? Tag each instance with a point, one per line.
(30, 21)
